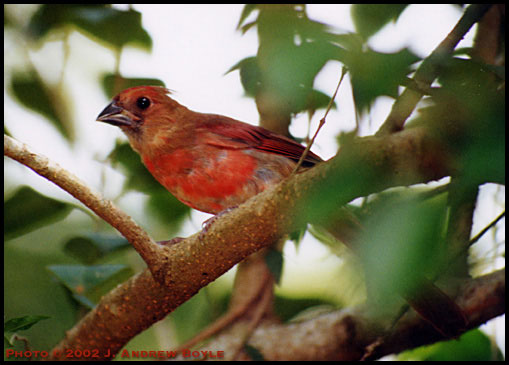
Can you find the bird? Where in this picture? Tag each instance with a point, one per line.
(214, 163)
(209, 162)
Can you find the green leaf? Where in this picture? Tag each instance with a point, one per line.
(248, 9)
(91, 282)
(32, 93)
(22, 323)
(250, 75)
(374, 74)
(370, 18)
(27, 210)
(167, 208)
(473, 345)
(274, 261)
(112, 26)
(89, 248)
(402, 244)
(81, 278)
(19, 324)
(112, 84)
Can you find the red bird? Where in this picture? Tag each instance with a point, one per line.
(207, 161)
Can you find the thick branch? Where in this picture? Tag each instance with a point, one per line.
(345, 334)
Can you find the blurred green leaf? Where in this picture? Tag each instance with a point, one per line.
(28, 210)
(370, 18)
(193, 316)
(248, 9)
(402, 245)
(167, 208)
(32, 93)
(112, 84)
(274, 261)
(90, 282)
(473, 345)
(112, 26)
(293, 49)
(250, 75)
(472, 101)
(374, 74)
(90, 247)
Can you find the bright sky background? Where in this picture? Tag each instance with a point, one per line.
(193, 47)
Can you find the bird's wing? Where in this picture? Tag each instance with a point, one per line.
(232, 134)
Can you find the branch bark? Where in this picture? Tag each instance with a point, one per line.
(346, 334)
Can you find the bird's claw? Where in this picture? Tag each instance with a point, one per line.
(171, 242)
(208, 223)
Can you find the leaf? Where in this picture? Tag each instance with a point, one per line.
(90, 247)
(32, 93)
(91, 282)
(248, 9)
(19, 324)
(22, 323)
(112, 26)
(112, 83)
(473, 345)
(27, 210)
(274, 261)
(250, 75)
(374, 74)
(370, 18)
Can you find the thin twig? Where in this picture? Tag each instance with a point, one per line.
(486, 229)
(322, 122)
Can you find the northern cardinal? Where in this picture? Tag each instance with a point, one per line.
(207, 161)
(212, 163)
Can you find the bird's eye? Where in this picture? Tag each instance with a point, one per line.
(143, 102)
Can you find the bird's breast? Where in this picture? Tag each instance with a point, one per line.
(211, 179)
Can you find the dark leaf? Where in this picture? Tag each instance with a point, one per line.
(370, 18)
(374, 74)
(90, 247)
(274, 261)
(28, 210)
(112, 26)
(19, 324)
(22, 323)
(35, 95)
(253, 353)
(90, 282)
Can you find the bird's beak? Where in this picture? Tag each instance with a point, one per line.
(116, 115)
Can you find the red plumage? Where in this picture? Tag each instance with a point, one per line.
(209, 162)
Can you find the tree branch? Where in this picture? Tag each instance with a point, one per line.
(104, 208)
(429, 69)
(346, 334)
